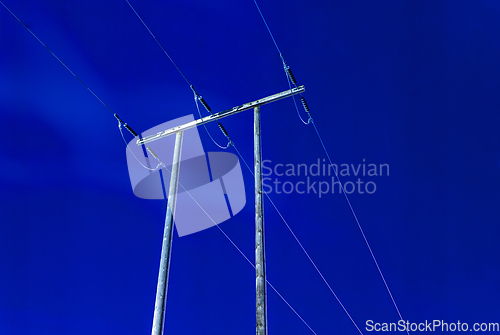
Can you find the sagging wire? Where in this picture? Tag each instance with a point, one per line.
(291, 80)
(289, 74)
(126, 126)
(160, 163)
(290, 77)
(199, 98)
(155, 156)
(120, 122)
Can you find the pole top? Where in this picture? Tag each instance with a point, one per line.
(223, 114)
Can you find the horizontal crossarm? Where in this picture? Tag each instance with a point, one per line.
(220, 115)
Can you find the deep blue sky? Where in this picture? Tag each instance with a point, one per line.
(411, 84)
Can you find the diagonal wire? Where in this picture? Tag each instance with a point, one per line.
(295, 102)
(154, 37)
(330, 161)
(197, 97)
(206, 129)
(53, 54)
(242, 253)
(281, 56)
(224, 233)
(358, 223)
(269, 30)
(160, 163)
(196, 100)
(69, 70)
(301, 246)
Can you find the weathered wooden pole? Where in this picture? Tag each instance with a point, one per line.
(260, 264)
(260, 260)
(161, 289)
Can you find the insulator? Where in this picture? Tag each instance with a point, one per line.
(290, 74)
(119, 120)
(204, 103)
(130, 129)
(304, 103)
(223, 130)
(126, 126)
(201, 100)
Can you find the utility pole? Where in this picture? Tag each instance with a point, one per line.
(260, 266)
(260, 259)
(161, 289)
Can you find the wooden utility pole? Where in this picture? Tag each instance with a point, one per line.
(260, 259)
(260, 264)
(161, 289)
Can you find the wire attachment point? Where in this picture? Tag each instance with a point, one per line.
(199, 98)
(204, 103)
(224, 131)
(306, 108)
(304, 104)
(125, 125)
(289, 73)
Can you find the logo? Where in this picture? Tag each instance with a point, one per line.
(211, 188)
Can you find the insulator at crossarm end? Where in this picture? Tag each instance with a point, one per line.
(194, 91)
(306, 108)
(289, 73)
(125, 125)
(204, 103)
(201, 100)
(224, 131)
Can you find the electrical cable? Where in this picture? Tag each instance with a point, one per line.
(154, 37)
(291, 79)
(359, 224)
(221, 230)
(198, 97)
(205, 126)
(53, 54)
(300, 244)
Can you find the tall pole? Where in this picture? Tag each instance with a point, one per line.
(161, 289)
(260, 262)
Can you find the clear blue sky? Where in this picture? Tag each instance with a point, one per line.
(413, 85)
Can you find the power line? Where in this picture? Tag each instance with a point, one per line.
(268, 29)
(291, 80)
(160, 163)
(53, 54)
(197, 97)
(302, 246)
(228, 238)
(154, 37)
